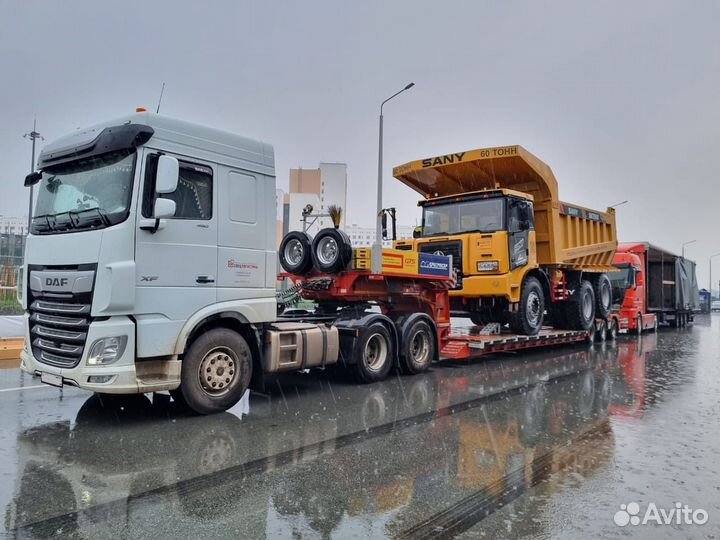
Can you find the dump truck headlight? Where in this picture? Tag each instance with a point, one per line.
(487, 266)
(107, 350)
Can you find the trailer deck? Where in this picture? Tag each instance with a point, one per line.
(402, 294)
(460, 346)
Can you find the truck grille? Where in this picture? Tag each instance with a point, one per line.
(453, 248)
(58, 331)
(59, 320)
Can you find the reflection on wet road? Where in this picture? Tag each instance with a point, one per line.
(543, 445)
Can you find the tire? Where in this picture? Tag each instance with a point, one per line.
(603, 295)
(296, 253)
(601, 333)
(417, 350)
(580, 310)
(612, 330)
(216, 371)
(638, 325)
(331, 251)
(528, 319)
(373, 353)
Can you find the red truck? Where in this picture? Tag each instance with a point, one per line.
(652, 287)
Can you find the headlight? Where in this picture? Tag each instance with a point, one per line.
(487, 266)
(107, 350)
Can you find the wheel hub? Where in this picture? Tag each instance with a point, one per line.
(419, 347)
(327, 250)
(533, 308)
(375, 352)
(294, 252)
(217, 371)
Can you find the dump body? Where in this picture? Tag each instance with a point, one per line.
(566, 235)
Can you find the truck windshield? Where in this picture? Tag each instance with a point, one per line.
(88, 193)
(621, 281)
(484, 215)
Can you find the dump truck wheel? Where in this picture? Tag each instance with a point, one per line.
(374, 353)
(580, 311)
(603, 295)
(216, 371)
(295, 253)
(331, 251)
(528, 319)
(418, 348)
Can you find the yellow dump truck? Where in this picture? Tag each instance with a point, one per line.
(519, 251)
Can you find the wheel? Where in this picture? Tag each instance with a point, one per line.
(612, 330)
(601, 332)
(638, 325)
(331, 251)
(528, 319)
(373, 353)
(418, 348)
(295, 253)
(216, 371)
(603, 295)
(580, 310)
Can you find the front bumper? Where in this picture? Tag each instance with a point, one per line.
(491, 285)
(123, 373)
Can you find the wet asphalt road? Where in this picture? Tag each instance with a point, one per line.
(542, 445)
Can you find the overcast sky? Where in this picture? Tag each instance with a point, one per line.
(621, 99)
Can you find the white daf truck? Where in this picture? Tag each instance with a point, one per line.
(151, 266)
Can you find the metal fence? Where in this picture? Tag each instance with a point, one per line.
(12, 247)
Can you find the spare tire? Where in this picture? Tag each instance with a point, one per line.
(295, 253)
(331, 251)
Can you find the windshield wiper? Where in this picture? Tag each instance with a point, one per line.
(102, 215)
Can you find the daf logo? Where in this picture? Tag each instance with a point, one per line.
(439, 252)
(56, 282)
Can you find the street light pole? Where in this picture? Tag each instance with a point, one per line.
(33, 136)
(710, 279)
(685, 244)
(377, 246)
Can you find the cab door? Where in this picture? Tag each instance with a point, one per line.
(176, 258)
(520, 221)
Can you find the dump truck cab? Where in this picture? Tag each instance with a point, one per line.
(517, 249)
(488, 233)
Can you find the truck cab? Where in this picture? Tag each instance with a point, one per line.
(135, 249)
(629, 293)
(489, 234)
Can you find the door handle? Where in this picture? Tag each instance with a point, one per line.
(205, 279)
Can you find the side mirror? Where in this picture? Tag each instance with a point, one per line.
(164, 208)
(384, 226)
(167, 175)
(32, 178)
